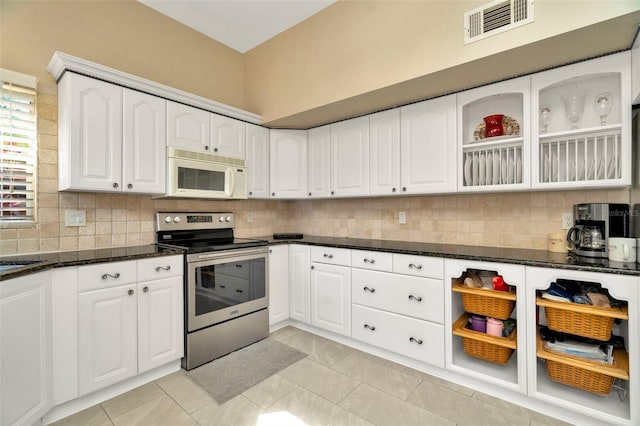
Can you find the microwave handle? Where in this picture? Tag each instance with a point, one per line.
(231, 181)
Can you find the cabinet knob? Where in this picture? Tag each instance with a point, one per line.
(404, 189)
(145, 289)
(414, 340)
(417, 299)
(114, 276)
(250, 192)
(130, 292)
(332, 193)
(115, 184)
(370, 327)
(412, 266)
(270, 250)
(206, 148)
(369, 289)
(129, 185)
(393, 190)
(215, 149)
(313, 267)
(163, 268)
(309, 194)
(273, 194)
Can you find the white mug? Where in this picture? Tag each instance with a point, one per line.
(622, 249)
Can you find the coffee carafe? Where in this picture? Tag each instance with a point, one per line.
(594, 224)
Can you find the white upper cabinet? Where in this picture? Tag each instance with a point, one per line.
(144, 143)
(318, 162)
(228, 136)
(110, 138)
(493, 137)
(428, 146)
(384, 152)
(581, 120)
(90, 134)
(188, 127)
(350, 157)
(258, 161)
(288, 161)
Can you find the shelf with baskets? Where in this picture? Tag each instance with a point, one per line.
(581, 119)
(499, 160)
(493, 354)
(585, 378)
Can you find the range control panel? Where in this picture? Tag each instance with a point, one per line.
(175, 221)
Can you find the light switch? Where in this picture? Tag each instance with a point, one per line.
(402, 218)
(75, 217)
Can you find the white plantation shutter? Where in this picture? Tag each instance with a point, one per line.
(18, 150)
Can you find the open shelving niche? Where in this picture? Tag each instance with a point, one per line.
(613, 408)
(510, 376)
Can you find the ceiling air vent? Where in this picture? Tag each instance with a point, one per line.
(496, 17)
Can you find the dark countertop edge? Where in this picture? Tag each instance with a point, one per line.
(526, 257)
(50, 260)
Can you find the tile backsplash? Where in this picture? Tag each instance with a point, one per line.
(519, 220)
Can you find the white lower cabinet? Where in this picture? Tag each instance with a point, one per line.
(299, 283)
(130, 320)
(26, 385)
(417, 339)
(331, 298)
(278, 283)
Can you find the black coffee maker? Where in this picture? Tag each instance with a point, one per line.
(594, 223)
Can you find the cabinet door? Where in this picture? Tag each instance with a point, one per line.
(144, 143)
(258, 161)
(318, 164)
(188, 127)
(278, 283)
(331, 298)
(288, 158)
(428, 146)
(26, 385)
(160, 322)
(228, 136)
(107, 343)
(90, 134)
(299, 285)
(350, 157)
(384, 152)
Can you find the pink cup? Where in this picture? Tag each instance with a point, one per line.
(494, 327)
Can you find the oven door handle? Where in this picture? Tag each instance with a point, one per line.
(227, 254)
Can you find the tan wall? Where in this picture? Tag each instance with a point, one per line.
(122, 34)
(355, 47)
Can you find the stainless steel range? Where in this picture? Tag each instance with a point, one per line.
(226, 284)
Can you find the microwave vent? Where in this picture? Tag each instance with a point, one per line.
(495, 18)
(202, 156)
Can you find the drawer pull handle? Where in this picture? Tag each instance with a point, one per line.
(223, 286)
(163, 268)
(417, 299)
(371, 261)
(414, 340)
(370, 327)
(238, 266)
(130, 292)
(328, 256)
(369, 289)
(145, 289)
(239, 291)
(114, 276)
(412, 266)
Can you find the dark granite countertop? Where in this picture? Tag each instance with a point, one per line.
(43, 261)
(540, 258)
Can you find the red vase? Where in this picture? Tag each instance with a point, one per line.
(493, 125)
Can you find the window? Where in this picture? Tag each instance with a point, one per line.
(18, 150)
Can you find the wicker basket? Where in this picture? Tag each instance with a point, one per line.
(487, 351)
(481, 304)
(579, 323)
(580, 378)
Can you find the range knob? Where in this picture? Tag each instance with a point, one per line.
(228, 218)
(176, 219)
(221, 219)
(167, 219)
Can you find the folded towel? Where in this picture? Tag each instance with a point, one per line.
(600, 300)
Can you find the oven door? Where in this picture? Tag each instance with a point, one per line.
(226, 284)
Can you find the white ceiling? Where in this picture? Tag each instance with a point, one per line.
(239, 24)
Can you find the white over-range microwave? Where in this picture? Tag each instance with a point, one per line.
(193, 174)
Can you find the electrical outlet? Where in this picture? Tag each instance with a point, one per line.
(75, 217)
(402, 218)
(567, 220)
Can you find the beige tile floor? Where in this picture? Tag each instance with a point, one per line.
(335, 385)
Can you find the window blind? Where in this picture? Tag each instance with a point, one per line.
(18, 149)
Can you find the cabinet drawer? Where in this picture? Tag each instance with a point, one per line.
(403, 294)
(375, 260)
(159, 267)
(421, 266)
(105, 275)
(331, 255)
(413, 338)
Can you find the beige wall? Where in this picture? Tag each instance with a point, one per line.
(122, 34)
